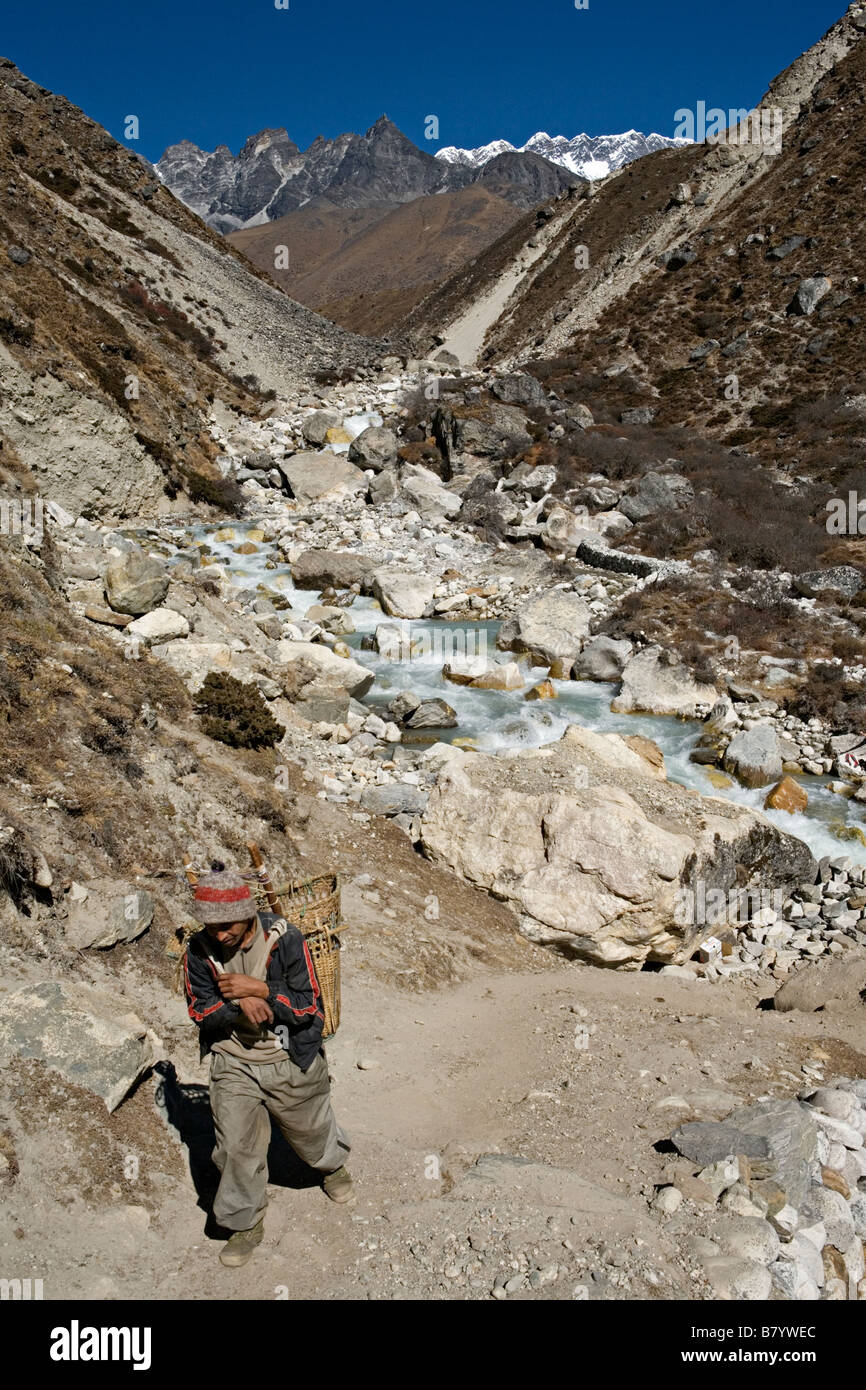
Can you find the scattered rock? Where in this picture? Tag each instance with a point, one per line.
(159, 625)
(787, 795)
(754, 756)
(809, 294)
(135, 582)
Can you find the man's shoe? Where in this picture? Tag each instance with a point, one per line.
(238, 1249)
(338, 1186)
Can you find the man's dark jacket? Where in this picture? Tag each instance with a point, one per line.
(293, 994)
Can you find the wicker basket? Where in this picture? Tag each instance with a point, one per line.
(313, 906)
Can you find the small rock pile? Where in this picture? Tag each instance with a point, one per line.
(768, 741)
(825, 917)
(783, 1186)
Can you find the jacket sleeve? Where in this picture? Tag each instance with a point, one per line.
(208, 1010)
(294, 994)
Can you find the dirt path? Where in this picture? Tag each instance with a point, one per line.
(579, 1071)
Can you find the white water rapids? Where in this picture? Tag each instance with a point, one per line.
(496, 720)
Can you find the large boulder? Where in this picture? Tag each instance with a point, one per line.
(657, 492)
(331, 569)
(755, 756)
(311, 476)
(317, 423)
(779, 1137)
(602, 659)
(401, 593)
(565, 530)
(832, 984)
(488, 430)
(108, 918)
(550, 627)
(384, 487)
(135, 582)
(394, 799)
(432, 714)
(375, 447)
(494, 511)
(83, 1033)
(423, 489)
(593, 850)
(654, 682)
(519, 388)
(319, 682)
(843, 579)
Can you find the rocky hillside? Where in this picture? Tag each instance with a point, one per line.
(365, 268)
(697, 265)
(271, 177)
(124, 317)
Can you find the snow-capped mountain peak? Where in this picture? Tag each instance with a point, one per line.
(588, 156)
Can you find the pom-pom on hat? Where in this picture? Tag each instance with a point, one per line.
(222, 896)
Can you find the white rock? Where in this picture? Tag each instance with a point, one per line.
(854, 1260)
(807, 1258)
(668, 1200)
(160, 625)
(838, 1131)
(750, 1238)
(838, 1104)
(738, 1280)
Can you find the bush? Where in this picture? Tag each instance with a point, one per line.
(236, 714)
(218, 492)
(828, 696)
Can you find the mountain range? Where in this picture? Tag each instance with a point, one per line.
(271, 176)
(341, 207)
(587, 156)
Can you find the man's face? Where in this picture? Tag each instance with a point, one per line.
(229, 935)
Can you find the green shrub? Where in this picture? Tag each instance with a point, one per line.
(236, 714)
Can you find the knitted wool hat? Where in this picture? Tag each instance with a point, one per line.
(222, 896)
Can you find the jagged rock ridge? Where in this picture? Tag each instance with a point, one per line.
(271, 177)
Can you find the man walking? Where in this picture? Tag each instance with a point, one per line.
(253, 993)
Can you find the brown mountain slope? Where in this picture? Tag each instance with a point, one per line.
(366, 268)
(638, 333)
(122, 316)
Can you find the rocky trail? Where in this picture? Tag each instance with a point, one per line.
(505, 1136)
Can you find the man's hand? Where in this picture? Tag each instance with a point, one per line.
(238, 987)
(256, 1010)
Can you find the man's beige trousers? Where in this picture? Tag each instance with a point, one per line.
(243, 1095)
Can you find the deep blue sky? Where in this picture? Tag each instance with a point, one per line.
(217, 72)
